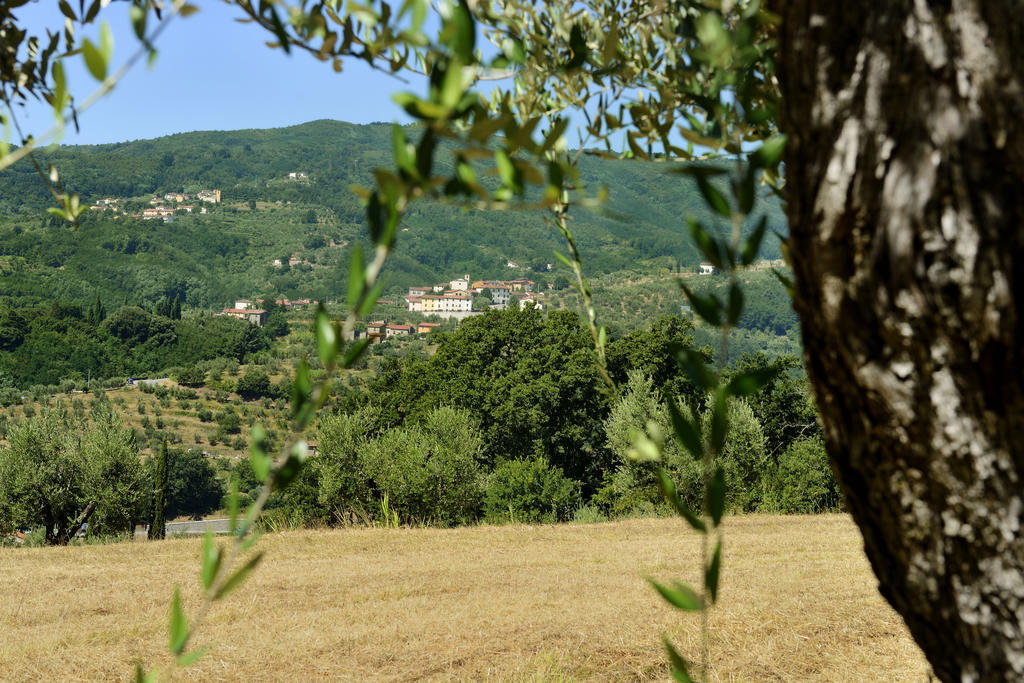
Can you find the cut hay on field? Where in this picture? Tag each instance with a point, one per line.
(797, 602)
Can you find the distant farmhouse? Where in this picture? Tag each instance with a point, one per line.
(426, 328)
(256, 316)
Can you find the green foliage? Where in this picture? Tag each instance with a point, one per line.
(192, 485)
(429, 470)
(802, 482)
(57, 342)
(254, 384)
(530, 382)
(742, 458)
(191, 376)
(631, 485)
(58, 473)
(229, 422)
(530, 491)
(112, 455)
(158, 515)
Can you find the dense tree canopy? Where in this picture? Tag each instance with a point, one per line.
(47, 345)
(59, 473)
(903, 172)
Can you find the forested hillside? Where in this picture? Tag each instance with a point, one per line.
(264, 215)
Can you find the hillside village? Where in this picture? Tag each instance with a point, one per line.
(448, 299)
(162, 208)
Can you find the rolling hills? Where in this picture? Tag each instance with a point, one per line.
(265, 215)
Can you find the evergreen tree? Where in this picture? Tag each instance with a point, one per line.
(158, 526)
(97, 313)
(176, 309)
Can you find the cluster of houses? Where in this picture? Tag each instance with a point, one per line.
(175, 201)
(106, 204)
(456, 296)
(379, 330)
(251, 310)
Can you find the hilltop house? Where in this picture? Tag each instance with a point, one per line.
(460, 284)
(398, 330)
(256, 316)
(500, 291)
(707, 268)
(212, 196)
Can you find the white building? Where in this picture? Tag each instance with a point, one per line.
(460, 285)
(524, 299)
(707, 268)
(457, 301)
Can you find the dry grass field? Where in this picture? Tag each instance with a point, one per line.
(798, 602)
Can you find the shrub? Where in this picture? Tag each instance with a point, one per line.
(54, 467)
(429, 471)
(530, 491)
(802, 481)
(192, 487)
(229, 422)
(205, 415)
(343, 483)
(255, 384)
(589, 514)
(192, 376)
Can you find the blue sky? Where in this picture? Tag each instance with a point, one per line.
(212, 73)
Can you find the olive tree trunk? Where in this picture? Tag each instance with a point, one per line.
(905, 177)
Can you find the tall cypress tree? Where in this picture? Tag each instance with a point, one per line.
(158, 526)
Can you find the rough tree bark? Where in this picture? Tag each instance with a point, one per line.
(905, 171)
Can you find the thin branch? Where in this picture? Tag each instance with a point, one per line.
(28, 145)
